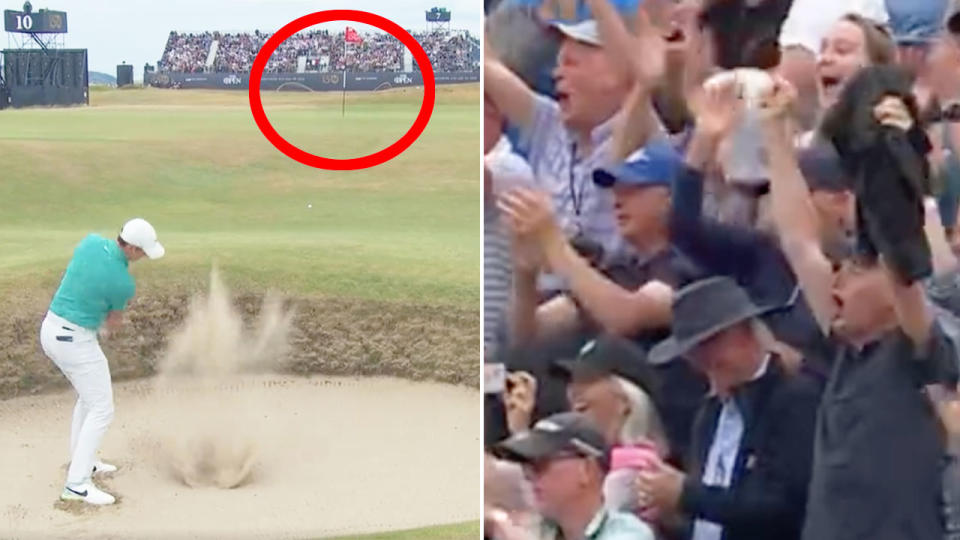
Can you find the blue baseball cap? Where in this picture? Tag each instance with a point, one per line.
(656, 164)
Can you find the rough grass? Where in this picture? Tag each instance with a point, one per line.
(392, 251)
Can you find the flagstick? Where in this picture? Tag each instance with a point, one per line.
(343, 100)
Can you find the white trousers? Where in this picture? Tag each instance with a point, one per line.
(77, 353)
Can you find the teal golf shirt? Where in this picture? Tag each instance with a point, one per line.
(96, 282)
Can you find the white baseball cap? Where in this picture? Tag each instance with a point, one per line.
(138, 232)
(584, 32)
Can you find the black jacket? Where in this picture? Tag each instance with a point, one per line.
(889, 170)
(768, 491)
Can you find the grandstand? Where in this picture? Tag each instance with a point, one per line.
(316, 51)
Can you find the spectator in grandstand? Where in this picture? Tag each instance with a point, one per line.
(769, 265)
(889, 351)
(502, 170)
(566, 139)
(186, 52)
(378, 52)
(567, 459)
(623, 295)
(752, 443)
(809, 31)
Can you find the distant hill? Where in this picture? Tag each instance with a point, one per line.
(102, 78)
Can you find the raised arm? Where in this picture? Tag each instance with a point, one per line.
(719, 248)
(643, 55)
(508, 92)
(793, 209)
(615, 309)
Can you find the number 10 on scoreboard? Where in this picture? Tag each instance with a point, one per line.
(24, 22)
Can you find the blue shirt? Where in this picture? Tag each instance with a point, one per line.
(96, 282)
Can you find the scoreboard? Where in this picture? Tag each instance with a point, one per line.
(44, 21)
(438, 15)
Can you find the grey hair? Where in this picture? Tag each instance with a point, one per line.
(642, 422)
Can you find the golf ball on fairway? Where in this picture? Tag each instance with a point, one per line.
(309, 206)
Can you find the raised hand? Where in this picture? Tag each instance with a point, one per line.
(519, 400)
(775, 104)
(719, 109)
(529, 213)
(649, 54)
(643, 52)
(892, 112)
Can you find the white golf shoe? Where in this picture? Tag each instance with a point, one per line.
(87, 493)
(103, 467)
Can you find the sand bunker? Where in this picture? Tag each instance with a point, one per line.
(335, 456)
(217, 447)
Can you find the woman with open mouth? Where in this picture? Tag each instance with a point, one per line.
(852, 43)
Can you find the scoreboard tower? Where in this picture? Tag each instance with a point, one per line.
(438, 18)
(40, 71)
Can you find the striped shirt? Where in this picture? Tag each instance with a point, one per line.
(566, 172)
(507, 171)
(497, 274)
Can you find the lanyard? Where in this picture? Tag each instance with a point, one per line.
(576, 197)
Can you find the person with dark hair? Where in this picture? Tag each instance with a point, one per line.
(91, 298)
(893, 363)
(743, 33)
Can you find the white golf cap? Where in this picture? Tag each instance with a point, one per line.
(584, 32)
(138, 232)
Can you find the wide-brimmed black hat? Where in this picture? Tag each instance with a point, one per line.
(610, 355)
(701, 311)
(567, 433)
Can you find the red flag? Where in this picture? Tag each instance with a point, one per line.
(352, 36)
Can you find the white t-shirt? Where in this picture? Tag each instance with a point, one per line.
(809, 20)
(508, 169)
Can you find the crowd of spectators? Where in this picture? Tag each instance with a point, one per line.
(186, 52)
(320, 49)
(722, 269)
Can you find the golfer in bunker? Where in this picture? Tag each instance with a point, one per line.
(89, 302)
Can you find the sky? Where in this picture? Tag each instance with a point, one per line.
(135, 31)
